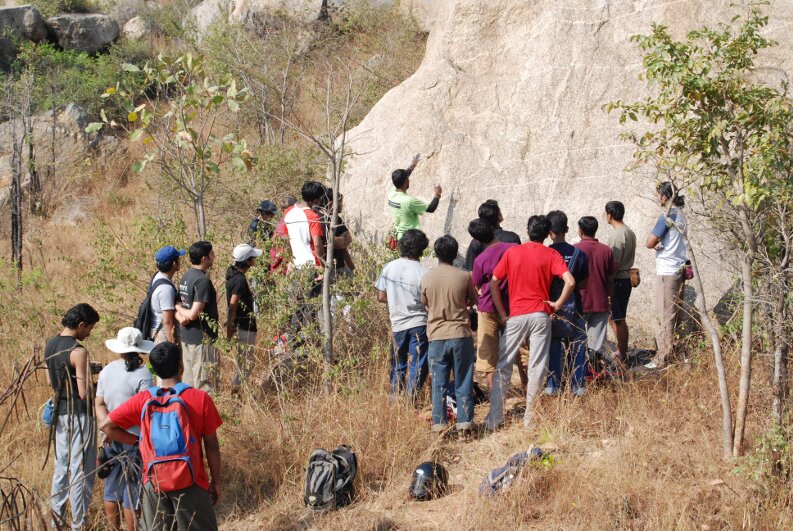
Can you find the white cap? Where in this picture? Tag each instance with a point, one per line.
(243, 252)
(129, 339)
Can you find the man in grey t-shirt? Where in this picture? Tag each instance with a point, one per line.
(399, 286)
(163, 299)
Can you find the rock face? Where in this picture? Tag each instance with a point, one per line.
(20, 22)
(90, 33)
(73, 145)
(507, 104)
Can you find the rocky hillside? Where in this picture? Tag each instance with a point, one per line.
(508, 104)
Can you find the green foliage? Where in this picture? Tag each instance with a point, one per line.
(67, 76)
(175, 108)
(717, 127)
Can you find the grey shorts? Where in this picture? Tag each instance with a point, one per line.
(123, 483)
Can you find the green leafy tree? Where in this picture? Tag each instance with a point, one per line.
(719, 132)
(185, 121)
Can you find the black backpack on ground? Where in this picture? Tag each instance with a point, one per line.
(143, 320)
(329, 478)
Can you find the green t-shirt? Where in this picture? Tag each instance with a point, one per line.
(405, 211)
(623, 244)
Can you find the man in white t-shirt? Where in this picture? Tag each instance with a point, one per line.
(163, 298)
(304, 229)
(399, 286)
(670, 259)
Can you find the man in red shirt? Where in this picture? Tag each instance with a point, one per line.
(529, 268)
(600, 282)
(192, 507)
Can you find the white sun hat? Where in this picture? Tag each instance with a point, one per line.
(243, 251)
(129, 339)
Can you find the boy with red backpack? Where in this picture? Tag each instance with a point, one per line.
(178, 425)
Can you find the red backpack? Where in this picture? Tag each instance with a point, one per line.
(169, 449)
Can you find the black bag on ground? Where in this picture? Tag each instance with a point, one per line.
(143, 320)
(329, 478)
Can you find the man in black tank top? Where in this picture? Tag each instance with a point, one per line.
(75, 429)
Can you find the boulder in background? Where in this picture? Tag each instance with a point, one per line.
(90, 33)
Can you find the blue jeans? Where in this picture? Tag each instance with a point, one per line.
(445, 355)
(568, 340)
(412, 345)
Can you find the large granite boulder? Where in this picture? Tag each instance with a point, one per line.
(136, 28)
(507, 104)
(17, 23)
(90, 33)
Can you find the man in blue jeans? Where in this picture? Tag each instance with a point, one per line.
(448, 292)
(568, 330)
(399, 286)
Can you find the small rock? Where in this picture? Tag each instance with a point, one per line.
(135, 29)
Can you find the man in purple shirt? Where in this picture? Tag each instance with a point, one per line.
(600, 282)
(490, 332)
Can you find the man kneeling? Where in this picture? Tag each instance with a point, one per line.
(177, 493)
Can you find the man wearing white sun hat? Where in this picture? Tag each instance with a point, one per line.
(241, 320)
(119, 381)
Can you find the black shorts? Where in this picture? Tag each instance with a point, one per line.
(620, 298)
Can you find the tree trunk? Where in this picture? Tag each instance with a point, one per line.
(781, 350)
(715, 340)
(16, 198)
(746, 356)
(327, 317)
(33, 174)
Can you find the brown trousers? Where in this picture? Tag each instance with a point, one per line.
(668, 301)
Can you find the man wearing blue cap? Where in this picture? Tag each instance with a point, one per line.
(163, 297)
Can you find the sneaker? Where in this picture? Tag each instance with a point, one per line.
(552, 391)
(651, 366)
(579, 391)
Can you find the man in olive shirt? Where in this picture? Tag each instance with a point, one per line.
(623, 245)
(448, 292)
(405, 209)
(198, 317)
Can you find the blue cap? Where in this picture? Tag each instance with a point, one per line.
(168, 254)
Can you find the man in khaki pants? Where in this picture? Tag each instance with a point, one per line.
(198, 317)
(163, 298)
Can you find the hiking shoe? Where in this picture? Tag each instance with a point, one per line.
(552, 391)
(579, 391)
(468, 434)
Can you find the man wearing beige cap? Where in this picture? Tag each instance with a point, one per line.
(241, 320)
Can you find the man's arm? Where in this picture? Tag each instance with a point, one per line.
(169, 324)
(114, 433)
(212, 452)
(319, 248)
(79, 360)
(473, 295)
(382, 296)
(231, 321)
(569, 286)
(188, 316)
(433, 206)
(101, 408)
(654, 238)
(343, 241)
(495, 293)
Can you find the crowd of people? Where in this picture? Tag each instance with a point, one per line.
(157, 417)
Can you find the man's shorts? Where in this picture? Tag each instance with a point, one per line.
(488, 337)
(620, 298)
(123, 483)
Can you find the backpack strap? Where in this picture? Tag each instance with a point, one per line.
(153, 391)
(180, 388)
